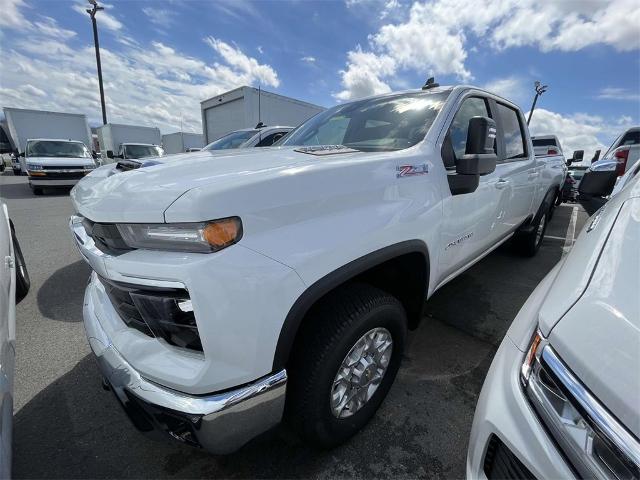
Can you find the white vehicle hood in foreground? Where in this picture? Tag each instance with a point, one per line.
(599, 338)
(143, 195)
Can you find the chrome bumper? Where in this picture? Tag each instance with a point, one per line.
(220, 423)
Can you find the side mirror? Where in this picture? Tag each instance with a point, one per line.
(479, 157)
(596, 156)
(109, 153)
(94, 155)
(578, 155)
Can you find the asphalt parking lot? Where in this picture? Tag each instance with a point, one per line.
(67, 426)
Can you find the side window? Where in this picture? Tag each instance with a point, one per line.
(269, 139)
(471, 107)
(512, 131)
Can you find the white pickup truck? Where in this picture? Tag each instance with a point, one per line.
(280, 282)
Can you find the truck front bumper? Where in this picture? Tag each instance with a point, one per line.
(52, 182)
(219, 422)
(507, 431)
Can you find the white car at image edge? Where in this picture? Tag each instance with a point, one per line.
(562, 396)
(14, 286)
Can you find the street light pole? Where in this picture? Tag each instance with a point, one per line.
(540, 89)
(92, 13)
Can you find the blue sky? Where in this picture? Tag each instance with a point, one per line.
(162, 58)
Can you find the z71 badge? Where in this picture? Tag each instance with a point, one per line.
(412, 170)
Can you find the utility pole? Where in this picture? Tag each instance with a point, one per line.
(540, 89)
(92, 13)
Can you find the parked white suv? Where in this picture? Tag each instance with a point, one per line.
(282, 280)
(562, 396)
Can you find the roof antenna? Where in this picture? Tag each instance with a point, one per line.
(260, 124)
(431, 83)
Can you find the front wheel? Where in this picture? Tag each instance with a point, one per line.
(344, 363)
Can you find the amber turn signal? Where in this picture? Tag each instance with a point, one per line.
(224, 232)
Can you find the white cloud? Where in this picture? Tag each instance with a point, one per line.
(150, 84)
(513, 88)
(160, 17)
(363, 74)
(575, 132)
(11, 14)
(613, 93)
(308, 59)
(50, 28)
(433, 38)
(241, 66)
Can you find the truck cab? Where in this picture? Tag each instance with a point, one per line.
(54, 163)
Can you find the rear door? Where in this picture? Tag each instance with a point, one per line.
(517, 169)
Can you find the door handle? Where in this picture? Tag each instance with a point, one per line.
(501, 183)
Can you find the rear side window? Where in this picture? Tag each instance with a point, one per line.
(512, 131)
(269, 140)
(471, 107)
(631, 138)
(544, 142)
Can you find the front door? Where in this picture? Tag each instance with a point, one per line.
(472, 221)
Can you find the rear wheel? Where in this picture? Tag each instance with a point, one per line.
(344, 363)
(37, 190)
(529, 242)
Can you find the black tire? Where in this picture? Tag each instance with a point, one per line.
(329, 332)
(37, 190)
(23, 282)
(528, 242)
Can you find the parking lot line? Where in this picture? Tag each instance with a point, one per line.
(571, 232)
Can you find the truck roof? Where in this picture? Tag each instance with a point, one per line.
(68, 140)
(440, 89)
(141, 144)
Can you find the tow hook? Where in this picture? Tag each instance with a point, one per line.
(105, 385)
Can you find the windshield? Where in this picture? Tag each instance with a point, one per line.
(57, 148)
(140, 151)
(231, 140)
(389, 123)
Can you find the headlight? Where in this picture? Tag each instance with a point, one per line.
(594, 441)
(203, 237)
(33, 166)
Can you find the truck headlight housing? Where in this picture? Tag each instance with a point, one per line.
(596, 444)
(201, 237)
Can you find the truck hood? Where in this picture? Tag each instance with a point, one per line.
(143, 195)
(599, 337)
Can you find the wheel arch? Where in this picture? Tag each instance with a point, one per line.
(401, 269)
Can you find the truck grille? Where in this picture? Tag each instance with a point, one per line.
(63, 167)
(157, 312)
